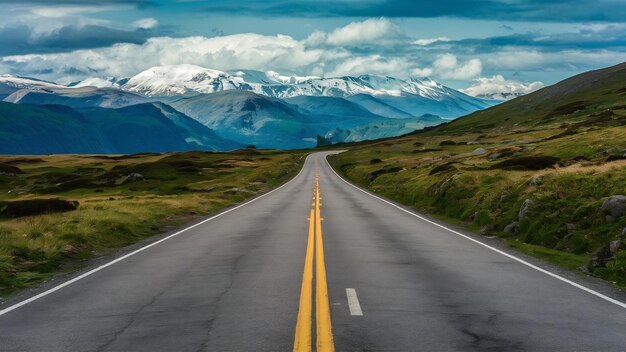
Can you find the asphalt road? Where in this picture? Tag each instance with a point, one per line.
(234, 283)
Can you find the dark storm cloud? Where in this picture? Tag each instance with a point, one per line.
(529, 10)
(19, 39)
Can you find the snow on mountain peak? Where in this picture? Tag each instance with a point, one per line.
(182, 79)
(25, 82)
(277, 77)
(186, 79)
(109, 82)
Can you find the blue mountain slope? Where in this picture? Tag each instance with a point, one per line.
(58, 129)
(267, 122)
(378, 107)
(332, 109)
(448, 107)
(77, 97)
(251, 118)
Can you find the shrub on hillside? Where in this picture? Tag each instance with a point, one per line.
(527, 163)
(20, 208)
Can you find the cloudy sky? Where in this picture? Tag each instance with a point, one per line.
(475, 45)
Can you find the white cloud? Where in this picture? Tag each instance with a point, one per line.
(146, 23)
(448, 66)
(65, 11)
(497, 87)
(515, 59)
(424, 42)
(253, 51)
(373, 64)
(311, 56)
(316, 39)
(561, 60)
(422, 72)
(370, 31)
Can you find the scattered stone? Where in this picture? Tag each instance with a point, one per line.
(493, 156)
(570, 228)
(536, 180)
(600, 259)
(472, 142)
(479, 151)
(614, 246)
(70, 251)
(511, 228)
(614, 206)
(132, 177)
(237, 189)
(524, 209)
(554, 214)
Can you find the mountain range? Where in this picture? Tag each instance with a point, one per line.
(244, 107)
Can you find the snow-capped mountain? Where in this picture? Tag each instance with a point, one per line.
(411, 97)
(188, 79)
(11, 84)
(24, 90)
(269, 77)
(182, 80)
(279, 86)
(18, 82)
(98, 82)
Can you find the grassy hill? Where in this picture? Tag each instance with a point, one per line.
(589, 97)
(535, 171)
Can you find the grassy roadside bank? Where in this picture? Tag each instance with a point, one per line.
(121, 200)
(540, 190)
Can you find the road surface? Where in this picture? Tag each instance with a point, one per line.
(244, 280)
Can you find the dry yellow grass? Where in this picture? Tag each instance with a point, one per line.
(177, 187)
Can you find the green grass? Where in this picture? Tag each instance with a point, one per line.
(560, 258)
(177, 188)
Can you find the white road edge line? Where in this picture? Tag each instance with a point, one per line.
(519, 260)
(353, 302)
(93, 271)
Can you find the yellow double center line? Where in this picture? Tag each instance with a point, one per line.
(315, 245)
